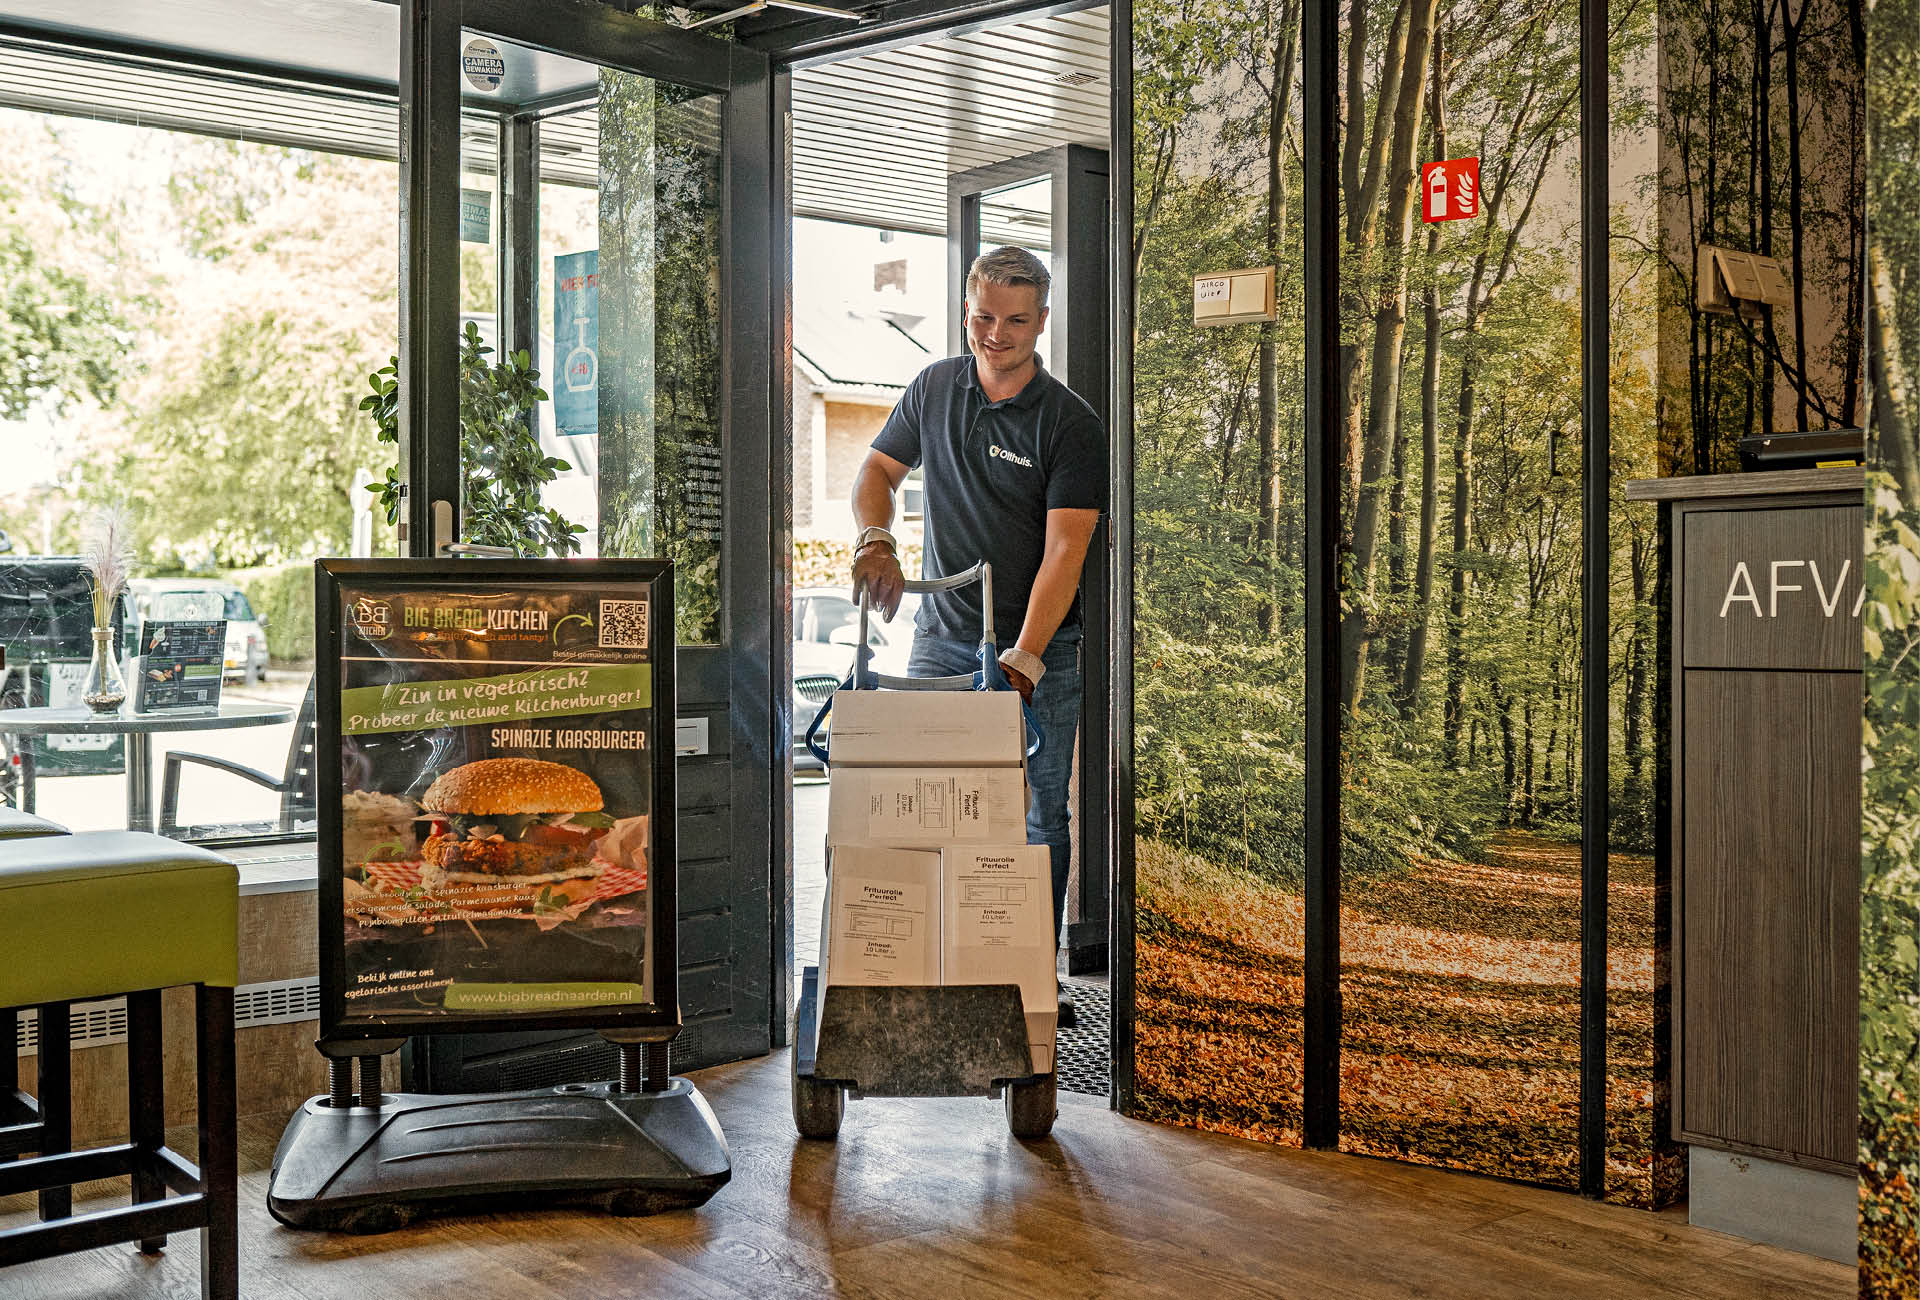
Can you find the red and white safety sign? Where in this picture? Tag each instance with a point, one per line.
(1450, 190)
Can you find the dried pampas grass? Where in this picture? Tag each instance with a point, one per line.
(108, 555)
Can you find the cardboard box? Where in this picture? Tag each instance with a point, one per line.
(927, 729)
(996, 908)
(882, 917)
(926, 807)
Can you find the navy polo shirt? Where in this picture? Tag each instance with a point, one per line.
(993, 470)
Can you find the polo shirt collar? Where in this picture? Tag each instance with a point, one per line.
(1027, 397)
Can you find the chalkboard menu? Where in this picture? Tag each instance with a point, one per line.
(496, 811)
(179, 665)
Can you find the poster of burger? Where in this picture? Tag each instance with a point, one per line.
(495, 850)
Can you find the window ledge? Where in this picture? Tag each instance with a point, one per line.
(277, 868)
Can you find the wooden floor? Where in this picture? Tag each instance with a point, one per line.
(933, 1199)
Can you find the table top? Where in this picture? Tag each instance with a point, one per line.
(78, 720)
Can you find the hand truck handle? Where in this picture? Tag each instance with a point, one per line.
(988, 677)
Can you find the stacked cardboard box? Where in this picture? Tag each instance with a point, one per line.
(930, 878)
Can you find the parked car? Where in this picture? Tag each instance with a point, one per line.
(208, 598)
(826, 627)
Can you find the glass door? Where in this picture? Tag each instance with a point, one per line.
(618, 310)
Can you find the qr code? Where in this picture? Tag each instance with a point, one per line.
(623, 625)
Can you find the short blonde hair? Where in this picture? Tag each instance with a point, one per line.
(1009, 265)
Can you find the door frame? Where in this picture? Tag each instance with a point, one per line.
(754, 550)
(1080, 351)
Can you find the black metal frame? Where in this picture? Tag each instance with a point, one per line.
(752, 324)
(780, 563)
(1320, 86)
(429, 413)
(660, 1018)
(810, 42)
(1596, 564)
(1119, 775)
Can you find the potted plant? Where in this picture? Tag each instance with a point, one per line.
(501, 463)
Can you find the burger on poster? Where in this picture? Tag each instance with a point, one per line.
(520, 835)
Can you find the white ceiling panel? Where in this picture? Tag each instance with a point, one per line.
(876, 136)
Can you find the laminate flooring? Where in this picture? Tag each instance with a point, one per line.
(933, 1199)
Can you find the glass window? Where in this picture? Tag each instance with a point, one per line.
(626, 295)
(831, 614)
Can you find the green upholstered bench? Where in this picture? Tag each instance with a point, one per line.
(18, 825)
(97, 915)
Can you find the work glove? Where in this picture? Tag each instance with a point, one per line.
(876, 569)
(1020, 682)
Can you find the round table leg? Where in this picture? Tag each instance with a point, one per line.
(139, 781)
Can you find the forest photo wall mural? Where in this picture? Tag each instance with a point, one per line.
(1460, 454)
(1219, 613)
(1460, 642)
(1459, 443)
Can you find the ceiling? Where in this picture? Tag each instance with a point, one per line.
(875, 135)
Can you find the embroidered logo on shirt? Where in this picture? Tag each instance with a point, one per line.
(1001, 453)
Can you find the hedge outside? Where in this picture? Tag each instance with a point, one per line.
(283, 595)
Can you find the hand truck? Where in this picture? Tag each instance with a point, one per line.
(960, 1040)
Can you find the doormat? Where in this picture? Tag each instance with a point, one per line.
(1082, 1060)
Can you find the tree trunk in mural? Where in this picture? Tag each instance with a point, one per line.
(1389, 333)
(1279, 98)
(1415, 665)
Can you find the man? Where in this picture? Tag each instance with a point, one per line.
(1016, 476)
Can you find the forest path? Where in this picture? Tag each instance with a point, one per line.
(1460, 1006)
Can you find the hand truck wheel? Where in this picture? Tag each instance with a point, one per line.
(1032, 1106)
(817, 1106)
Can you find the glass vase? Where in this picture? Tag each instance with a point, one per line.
(104, 689)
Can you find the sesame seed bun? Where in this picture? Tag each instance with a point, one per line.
(512, 785)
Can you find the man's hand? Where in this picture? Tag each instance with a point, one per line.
(1020, 682)
(877, 569)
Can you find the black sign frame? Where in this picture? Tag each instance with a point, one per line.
(659, 1020)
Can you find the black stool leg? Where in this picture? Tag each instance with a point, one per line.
(56, 1101)
(146, 1101)
(219, 1161)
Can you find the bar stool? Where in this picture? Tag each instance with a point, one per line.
(97, 915)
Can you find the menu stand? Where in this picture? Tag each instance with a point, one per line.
(503, 702)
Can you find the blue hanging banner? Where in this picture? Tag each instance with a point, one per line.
(576, 342)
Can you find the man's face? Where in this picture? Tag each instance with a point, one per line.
(1003, 323)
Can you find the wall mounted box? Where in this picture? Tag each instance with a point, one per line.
(1233, 297)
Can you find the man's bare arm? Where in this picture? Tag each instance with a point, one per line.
(1068, 534)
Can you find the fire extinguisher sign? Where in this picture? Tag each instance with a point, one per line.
(1450, 190)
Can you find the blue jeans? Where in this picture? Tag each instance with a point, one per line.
(1056, 703)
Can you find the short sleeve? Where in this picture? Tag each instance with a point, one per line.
(1077, 478)
(899, 437)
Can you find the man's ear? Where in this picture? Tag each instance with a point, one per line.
(1044, 313)
(966, 310)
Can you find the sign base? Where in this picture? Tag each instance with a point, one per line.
(364, 1169)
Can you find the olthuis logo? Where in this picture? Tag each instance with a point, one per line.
(1001, 453)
